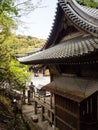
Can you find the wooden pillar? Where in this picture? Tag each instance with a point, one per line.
(48, 113)
(78, 112)
(31, 95)
(51, 100)
(44, 99)
(23, 95)
(52, 118)
(43, 111)
(51, 77)
(28, 96)
(35, 107)
(38, 95)
(97, 110)
(55, 111)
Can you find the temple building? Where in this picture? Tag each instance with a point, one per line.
(71, 55)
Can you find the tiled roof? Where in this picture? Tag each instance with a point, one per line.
(84, 17)
(77, 47)
(74, 88)
(27, 54)
(90, 12)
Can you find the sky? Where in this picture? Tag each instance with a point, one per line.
(39, 22)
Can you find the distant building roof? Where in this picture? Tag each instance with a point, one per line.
(28, 53)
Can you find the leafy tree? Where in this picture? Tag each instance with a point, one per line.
(9, 44)
(20, 73)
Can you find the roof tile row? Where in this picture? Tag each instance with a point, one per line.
(73, 48)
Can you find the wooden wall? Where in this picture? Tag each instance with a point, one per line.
(88, 113)
(66, 113)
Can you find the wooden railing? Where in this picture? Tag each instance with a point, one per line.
(45, 101)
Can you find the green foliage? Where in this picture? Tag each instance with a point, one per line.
(7, 6)
(17, 123)
(5, 101)
(7, 114)
(5, 56)
(19, 72)
(10, 70)
(28, 44)
(6, 22)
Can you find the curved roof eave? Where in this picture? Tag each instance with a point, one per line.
(63, 52)
(78, 15)
(83, 17)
